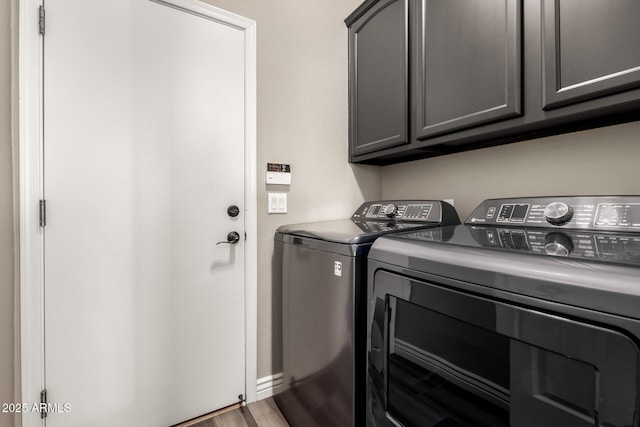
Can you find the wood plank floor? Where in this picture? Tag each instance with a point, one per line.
(264, 413)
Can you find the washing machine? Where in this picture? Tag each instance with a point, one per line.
(321, 267)
(526, 315)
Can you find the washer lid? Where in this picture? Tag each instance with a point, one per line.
(347, 231)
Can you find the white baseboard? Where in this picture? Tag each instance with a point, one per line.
(269, 386)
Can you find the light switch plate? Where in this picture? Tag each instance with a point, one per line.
(277, 203)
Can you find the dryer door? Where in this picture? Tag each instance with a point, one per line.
(448, 358)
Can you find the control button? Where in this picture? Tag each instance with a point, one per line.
(558, 213)
(491, 212)
(390, 210)
(558, 244)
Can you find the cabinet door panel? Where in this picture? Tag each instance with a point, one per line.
(467, 63)
(591, 48)
(378, 78)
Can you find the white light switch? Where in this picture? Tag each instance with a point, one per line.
(277, 203)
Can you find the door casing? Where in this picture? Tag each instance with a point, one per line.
(30, 123)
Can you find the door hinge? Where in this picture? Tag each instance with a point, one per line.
(43, 213)
(41, 20)
(43, 404)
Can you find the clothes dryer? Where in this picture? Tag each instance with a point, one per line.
(527, 315)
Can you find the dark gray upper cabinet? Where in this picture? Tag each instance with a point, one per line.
(591, 48)
(466, 64)
(378, 91)
(487, 72)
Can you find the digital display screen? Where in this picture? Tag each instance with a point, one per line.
(634, 216)
(519, 213)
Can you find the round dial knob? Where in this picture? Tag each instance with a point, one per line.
(558, 213)
(558, 244)
(390, 210)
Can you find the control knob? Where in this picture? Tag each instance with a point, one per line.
(390, 210)
(558, 244)
(558, 213)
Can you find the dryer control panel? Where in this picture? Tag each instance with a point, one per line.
(406, 211)
(615, 213)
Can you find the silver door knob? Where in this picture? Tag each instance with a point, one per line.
(232, 238)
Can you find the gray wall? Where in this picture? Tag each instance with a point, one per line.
(7, 283)
(598, 161)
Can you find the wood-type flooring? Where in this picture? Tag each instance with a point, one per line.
(263, 413)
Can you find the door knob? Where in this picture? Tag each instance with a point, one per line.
(232, 238)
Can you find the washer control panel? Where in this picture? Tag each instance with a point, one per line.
(406, 211)
(585, 213)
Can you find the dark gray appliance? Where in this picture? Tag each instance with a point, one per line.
(322, 267)
(527, 315)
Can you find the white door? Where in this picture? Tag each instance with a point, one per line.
(144, 136)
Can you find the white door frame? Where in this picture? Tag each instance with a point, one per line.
(31, 191)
